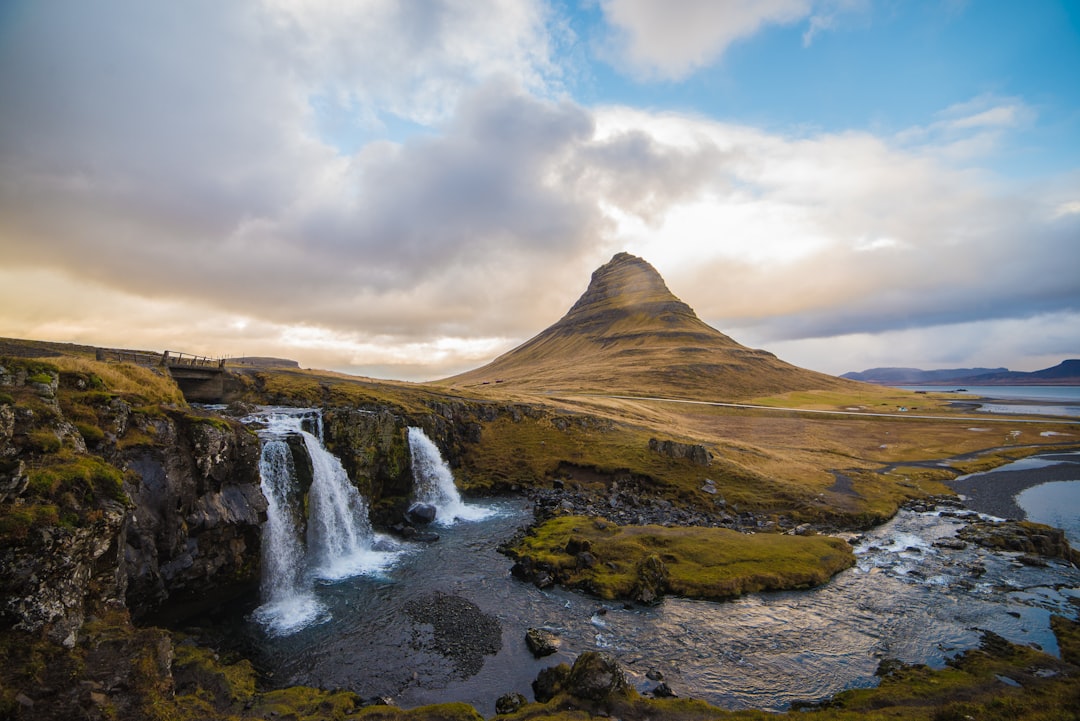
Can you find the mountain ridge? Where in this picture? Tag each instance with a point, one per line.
(629, 334)
(1065, 373)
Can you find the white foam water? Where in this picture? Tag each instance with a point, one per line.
(434, 483)
(338, 542)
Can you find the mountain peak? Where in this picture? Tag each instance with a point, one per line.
(625, 284)
(629, 334)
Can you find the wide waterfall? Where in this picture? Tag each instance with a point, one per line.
(339, 541)
(433, 482)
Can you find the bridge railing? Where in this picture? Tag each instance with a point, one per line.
(174, 359)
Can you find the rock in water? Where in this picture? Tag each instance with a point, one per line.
(421, 513)
(652, 581)
(509, 703)
(596, 676)
(541, 642)
(549, 682)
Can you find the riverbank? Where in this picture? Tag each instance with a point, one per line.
(994, 492)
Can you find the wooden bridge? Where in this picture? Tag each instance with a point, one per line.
(201, 379)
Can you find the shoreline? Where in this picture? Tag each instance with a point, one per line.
(994, 492)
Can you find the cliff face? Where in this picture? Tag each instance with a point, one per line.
(193, 536)
(105, 497)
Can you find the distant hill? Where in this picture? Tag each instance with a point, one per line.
(1066, 373)
(263, 362)
(628, 334)
(916, 376)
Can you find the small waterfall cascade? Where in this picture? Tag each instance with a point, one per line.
(339, 535)
(338, 542)
(433, 482)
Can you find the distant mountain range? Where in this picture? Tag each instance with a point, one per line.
(1066, 373)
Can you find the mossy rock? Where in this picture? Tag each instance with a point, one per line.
(643, 562)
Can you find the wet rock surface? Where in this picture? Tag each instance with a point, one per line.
(624, 504)
(541, 642)
(1032, 539)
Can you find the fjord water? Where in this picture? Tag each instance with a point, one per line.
(1036, 400)
(906, 599)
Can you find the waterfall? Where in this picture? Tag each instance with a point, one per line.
(433, 482)
(288, 603)
(339, 541)
(339, 536)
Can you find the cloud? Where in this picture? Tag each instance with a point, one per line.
(671, 40)
(810, 237)
(165, 179)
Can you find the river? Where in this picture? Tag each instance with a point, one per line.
(905, 599)
(445, 621)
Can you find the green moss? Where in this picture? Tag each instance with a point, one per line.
(6, 399)
(199, 670)
(213, 421)
(91, 433)
(436, 712)
(45, 378)
(87, 477)
(43, 441)
(16, 521)
(712, 563)
(304, 703)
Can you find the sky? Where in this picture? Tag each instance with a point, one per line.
(408, 189)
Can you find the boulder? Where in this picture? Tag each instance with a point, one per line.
(421, 513)
(541, 642)
(694, 452)
(652, 580)
(549, 682)
(509, 703)
(596, 676)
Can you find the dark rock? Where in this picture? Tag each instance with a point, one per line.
(541, 642)
(425, 537)
(550, 682)
(421, 513)
(509, 703)
(596, 676)
(576, 545)
(460, 631)
(662, 690)
(1022, 536)
(654, 675)
(695, 453)
(651, 580)
(951, 544)
(585, 560)
(194, 537)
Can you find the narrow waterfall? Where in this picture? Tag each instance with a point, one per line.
(288, 602)
(433, 482)
(339, 541)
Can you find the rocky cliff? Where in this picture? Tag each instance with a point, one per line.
(113, 497)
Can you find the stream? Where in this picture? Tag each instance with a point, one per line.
(446, 621)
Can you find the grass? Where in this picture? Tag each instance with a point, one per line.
(706, 563)
(121, 378)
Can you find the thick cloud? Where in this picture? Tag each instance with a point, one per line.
(209, 175)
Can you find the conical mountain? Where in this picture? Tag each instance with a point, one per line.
(628, 334)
